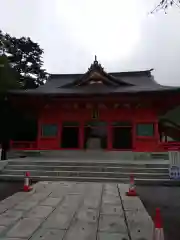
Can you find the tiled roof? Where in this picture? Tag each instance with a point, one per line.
(79, 84)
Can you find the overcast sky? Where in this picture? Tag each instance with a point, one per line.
(120, 32)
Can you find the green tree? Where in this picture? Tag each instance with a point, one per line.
(21, 66)
(8, 81)
(165, 4)
(25, 57)
(8, 77)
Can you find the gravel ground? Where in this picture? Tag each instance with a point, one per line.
(168, 200)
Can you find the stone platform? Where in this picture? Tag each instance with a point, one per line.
(70, 210)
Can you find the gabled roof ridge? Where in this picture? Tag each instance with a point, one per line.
(96, 68)
(111, 73)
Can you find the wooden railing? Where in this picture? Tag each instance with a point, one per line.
(170, 146)
(23, 145)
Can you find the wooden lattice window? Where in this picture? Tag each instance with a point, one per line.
(49, 130)
(145, 129)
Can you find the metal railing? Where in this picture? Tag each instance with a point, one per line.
(23, 145)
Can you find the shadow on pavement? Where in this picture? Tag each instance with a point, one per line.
(9, 188)
(168, 200)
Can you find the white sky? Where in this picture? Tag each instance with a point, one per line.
(120, 32)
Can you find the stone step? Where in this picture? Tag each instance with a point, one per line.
(165, 181)
(160, 156)
(87, 174)
(50, 162)
(90, 154)
(88, 168)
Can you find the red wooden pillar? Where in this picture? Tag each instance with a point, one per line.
(166, 138)
(60, 134)
(81, 136)
(134, 135)
(156, 131)
(39, 133)
(109, 137)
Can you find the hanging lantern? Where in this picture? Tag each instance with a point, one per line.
(75, 106)
(95, 114)
(138, 105)
(89, 106)
(116, 105)
(102, 106)
(47, 106)
(126, 105)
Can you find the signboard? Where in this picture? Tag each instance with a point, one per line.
(174, 164)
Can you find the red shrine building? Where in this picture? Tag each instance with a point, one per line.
(96, 110)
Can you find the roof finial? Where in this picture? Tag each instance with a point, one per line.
(95, 60)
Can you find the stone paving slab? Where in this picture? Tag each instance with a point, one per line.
(86, 214)
(24, 228)
(112, 236)
(39, 212)
(26, 205)
(132, 203)
(139, 222)
(112, 223)
(12, 213)
(13, 200)
(49, 234)
(70, 210)
(3, 208)
(123, 188)
(53, 202)
(2, 228)
(39, 196)
(12, 238)
(82, 231)
(9, 217)
(140, 225)
(109, 209)
(111, 200)
(91, 202)
(69, 204)
(59, 220)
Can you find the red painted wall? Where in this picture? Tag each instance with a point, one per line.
(54, 114)
(146, 144)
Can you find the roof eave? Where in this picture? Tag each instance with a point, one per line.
(22, 93)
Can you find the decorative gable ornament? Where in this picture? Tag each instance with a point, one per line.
(97, 75)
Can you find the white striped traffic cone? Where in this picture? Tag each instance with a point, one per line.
(27, 186)
(158, 228)
(132, 188)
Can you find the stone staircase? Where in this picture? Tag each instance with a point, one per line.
(87, 170)
(89, 154)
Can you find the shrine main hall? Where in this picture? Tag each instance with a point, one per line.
(119, 111)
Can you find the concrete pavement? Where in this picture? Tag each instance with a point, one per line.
(70, 210)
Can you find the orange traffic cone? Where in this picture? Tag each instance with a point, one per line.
(158, 228)
(132, 189)
(27, 186)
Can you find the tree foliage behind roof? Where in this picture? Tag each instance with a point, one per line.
(9, 79)
(25, 57)
(165, 4)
